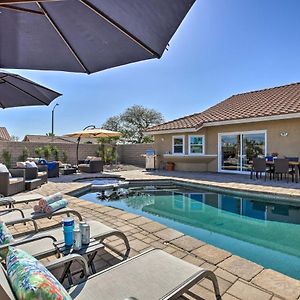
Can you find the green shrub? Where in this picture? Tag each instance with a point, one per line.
(47, 152)
(64, 156)
(6, 156)
(24, 155)
(39, 151)
(55, 153)
(101, 152)
(107, 153)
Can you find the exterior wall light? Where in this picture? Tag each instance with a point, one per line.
(284, 133)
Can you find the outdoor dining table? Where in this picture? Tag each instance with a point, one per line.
(295, 165)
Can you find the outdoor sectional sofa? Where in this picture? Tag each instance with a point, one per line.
(14, 184)
(94, 165)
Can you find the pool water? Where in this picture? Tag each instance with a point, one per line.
(261, 231)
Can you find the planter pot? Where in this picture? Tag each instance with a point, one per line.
(170, 166)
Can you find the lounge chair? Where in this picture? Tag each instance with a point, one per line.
(40, 242)
(8, 215)
(19, 199)
(12, 185)
(154, 274)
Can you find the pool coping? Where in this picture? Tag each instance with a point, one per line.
(260, 195)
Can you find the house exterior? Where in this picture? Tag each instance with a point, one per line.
(225, 137)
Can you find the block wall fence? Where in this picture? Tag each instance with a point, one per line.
(127, 154)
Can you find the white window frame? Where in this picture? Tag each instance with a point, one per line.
(183, 144)
(203, 144)
(220, 170)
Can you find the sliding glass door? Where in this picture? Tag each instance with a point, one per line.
(236, 150)
(230, 152)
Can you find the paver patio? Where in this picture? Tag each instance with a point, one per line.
(238, 277)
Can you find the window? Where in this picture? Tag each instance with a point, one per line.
(178, 144)
(196, 144)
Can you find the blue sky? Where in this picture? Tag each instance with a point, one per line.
(222, 48)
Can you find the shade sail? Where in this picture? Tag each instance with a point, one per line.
(86, 36)
(94, 133)
(18, 91)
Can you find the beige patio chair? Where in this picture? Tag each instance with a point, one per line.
(154, 274)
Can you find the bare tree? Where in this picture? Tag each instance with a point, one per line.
(14, 138)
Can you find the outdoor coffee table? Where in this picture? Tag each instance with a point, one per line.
(90, 250)
(68, 171)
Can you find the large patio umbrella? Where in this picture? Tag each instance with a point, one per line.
(93, 132)
(18, 91)
(86, 36)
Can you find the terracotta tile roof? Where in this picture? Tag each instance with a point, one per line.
(263, 103)
(45, 139)
(4, 135)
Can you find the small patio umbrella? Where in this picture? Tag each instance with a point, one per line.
(18, 91)
(92, 133)
(86, 35)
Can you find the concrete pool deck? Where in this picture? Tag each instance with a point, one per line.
(238, 278)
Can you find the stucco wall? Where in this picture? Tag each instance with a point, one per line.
(15, 148)
(127, 154)
(131, 154)
(285, 145)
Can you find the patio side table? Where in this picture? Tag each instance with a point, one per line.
(90, 250)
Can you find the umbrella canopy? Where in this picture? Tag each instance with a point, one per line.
(86, 36)
(18, 91)
(94, 133)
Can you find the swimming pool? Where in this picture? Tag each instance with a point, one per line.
(262, 231)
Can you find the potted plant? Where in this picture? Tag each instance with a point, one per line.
(170, 166)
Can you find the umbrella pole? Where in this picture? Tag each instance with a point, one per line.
(78, 141)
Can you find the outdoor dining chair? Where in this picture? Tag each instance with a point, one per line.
(292, 169)
(281, 167)
(259, 166)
